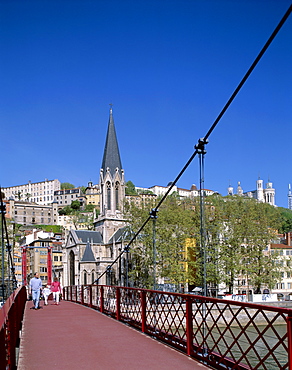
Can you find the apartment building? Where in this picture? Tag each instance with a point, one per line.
(41, 193)
(65, 197)
(28, 213)
(92, 194)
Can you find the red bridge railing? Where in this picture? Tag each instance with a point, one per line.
(220, 333)
(11, 315)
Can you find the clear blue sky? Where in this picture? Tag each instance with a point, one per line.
(168, 67)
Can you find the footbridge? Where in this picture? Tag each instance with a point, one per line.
(109, 327)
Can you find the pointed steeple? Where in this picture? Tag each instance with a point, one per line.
(88, 254)
(111, 156)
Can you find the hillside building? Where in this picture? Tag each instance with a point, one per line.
(41, 193)
(184, 193)
(65, 197)
(92, 195)
(29, 213)
(265, 195)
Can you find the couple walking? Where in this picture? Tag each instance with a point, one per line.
(55, 288)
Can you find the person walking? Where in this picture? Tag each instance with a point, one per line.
(35, 285)
(56, 289)
(46, 293)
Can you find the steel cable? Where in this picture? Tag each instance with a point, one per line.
(203, 141)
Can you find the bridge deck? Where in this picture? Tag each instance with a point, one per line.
(70, 336)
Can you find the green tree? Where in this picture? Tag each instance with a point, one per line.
(247, 227)
(130, 188)
(89, 207)
(285, 216)
(27, 196)
(67, 185)
(67, 210)
(75, 205)
(167, 256)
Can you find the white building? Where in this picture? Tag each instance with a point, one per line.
(161, 190)
(265, 195)
(65, 197)
(39, 192)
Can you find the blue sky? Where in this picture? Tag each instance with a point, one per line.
(168, 68)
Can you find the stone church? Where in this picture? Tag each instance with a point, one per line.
(88, 255)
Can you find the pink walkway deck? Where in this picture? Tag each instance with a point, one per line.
(70, 336)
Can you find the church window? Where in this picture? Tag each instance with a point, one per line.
(117, 187)
(85, 278)
(108, 194)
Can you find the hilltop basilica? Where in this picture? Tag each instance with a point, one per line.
(265, 195)
(88, 255)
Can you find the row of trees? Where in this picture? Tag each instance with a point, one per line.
(237, 232)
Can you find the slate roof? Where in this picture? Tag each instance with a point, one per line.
(85, 235)
(119, 235)
(111, 155)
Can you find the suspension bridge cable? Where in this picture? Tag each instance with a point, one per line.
(204, 140)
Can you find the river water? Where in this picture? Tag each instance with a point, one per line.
(259, 350)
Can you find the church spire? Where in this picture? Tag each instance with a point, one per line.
(111, 155)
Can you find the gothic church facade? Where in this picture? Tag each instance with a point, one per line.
(89, 255)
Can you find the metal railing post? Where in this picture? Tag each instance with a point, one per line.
(189, 326)
(82, 295)
(90, 296)
(289, 333)
(118, 300)
(143, 309)
(101, 299)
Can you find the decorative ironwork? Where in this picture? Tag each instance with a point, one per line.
(220, 333)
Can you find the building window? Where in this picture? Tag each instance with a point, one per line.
(117, 188)
(55, 258)
(108, 190)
